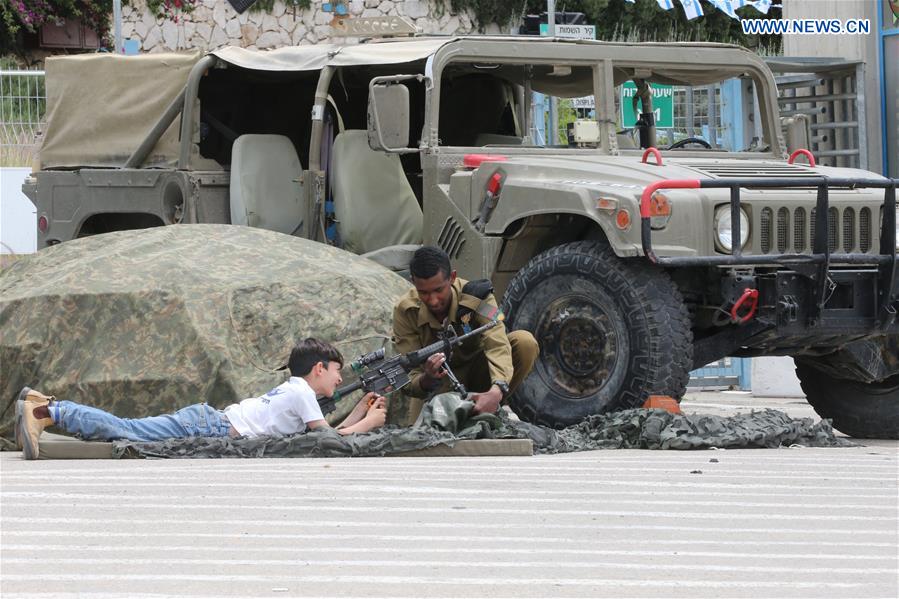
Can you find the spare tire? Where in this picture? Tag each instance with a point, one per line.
(611, 332)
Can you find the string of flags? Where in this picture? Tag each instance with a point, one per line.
(693, 9)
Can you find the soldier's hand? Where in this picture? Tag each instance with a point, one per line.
(433, 367)
(487, 402)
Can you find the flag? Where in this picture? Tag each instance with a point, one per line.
(762, 6)
(631, 1)
(692, 9)
(666, 4)
(726, 6)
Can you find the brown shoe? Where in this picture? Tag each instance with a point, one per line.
(28, 426)
(20, 410)
(29, 394)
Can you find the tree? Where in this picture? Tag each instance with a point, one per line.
(20, 16)
(643, 20)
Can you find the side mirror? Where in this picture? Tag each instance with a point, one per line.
(797, 132)
(388, 117)
(388, 114)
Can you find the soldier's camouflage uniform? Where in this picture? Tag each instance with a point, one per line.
(493, 355)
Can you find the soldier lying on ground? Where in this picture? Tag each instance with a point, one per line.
(287, 409)
(491, 365)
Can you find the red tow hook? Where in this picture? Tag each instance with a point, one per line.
(750, 295)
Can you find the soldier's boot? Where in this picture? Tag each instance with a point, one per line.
(32, 417)
(20, 410)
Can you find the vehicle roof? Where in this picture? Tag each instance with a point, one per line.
(402, 50)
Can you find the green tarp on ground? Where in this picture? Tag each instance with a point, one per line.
(145, 322)
(445, 420)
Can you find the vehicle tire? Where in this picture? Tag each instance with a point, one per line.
(862, 410)
(611, 332)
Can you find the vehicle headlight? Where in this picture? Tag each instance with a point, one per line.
(724, 228)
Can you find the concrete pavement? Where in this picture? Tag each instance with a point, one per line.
(797, 522)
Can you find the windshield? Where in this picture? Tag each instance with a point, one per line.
(553, 106)
(717, 116)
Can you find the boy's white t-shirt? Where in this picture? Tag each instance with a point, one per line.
(284, 410)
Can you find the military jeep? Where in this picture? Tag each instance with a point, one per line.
(632, 261)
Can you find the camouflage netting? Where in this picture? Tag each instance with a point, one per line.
(145, 322)
(445, 420)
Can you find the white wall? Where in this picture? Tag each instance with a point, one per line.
(18, 228)
(775, 377)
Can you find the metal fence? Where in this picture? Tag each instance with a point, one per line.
(23, 106)
(831, 93)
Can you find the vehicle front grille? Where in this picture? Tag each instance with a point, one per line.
(765, 229)
(753, 170)
(783, 225)
(783, 230)
(848, 230)
(864, 219)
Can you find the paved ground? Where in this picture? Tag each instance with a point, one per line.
(762, 523)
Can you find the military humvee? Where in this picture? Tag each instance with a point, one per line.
(633, 262)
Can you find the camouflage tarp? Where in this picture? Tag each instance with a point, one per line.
(145, 322)
(445, 420)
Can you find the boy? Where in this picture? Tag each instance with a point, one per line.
(287, 409)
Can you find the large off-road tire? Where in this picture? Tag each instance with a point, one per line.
(611, 332)
(862, 410)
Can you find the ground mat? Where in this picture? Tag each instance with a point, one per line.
(446, 420)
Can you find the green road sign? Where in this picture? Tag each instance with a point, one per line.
(662, 105)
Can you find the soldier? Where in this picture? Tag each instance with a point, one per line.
(491, 365)
(287, 409)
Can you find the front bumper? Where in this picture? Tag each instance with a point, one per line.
(809, 278)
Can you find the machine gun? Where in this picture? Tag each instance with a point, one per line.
(383, 375)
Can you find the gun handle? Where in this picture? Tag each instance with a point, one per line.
(457, 385)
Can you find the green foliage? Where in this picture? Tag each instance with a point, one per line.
(567, 115)
(20, 16)
(170, 9)
(501, 12)
(621, 20)
(268, 5)
(645, 20)
(31, 14)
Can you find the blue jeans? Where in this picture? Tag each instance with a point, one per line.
(198, 420)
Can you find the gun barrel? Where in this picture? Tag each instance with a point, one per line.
(386, 375)
(347, 389)
(415, 358)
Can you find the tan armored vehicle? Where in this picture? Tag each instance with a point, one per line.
(631, 265)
